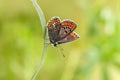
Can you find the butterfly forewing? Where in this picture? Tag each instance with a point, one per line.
(66, 28)
(53, 29)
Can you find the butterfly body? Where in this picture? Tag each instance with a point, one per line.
(61, 31)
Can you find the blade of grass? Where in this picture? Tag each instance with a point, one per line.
(41, 15)
(44, 29)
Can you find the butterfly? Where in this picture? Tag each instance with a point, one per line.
(61, 31)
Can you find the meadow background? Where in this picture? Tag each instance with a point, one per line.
(95, 56)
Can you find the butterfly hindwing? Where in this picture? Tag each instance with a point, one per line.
(72, 36)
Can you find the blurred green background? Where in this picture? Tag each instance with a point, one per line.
(95, 56)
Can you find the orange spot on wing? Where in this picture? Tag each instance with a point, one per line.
(52, 22)
(69, 24)
(73, 35)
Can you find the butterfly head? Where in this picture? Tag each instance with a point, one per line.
(54, 43)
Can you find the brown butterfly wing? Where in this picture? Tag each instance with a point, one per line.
(66, 27)
(72, 36)
(53, 29)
